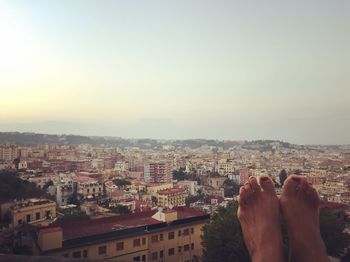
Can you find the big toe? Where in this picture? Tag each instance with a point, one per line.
(267, 184)
(292, 185)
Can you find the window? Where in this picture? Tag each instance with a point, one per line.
(161, 237)
(85, 253)
(154, 255)
(179, 249)
(179, 233)
(161, 254)
(143, 257)
(93, 190)
(19, 221)
(48, 214)
(88, 190)
(192, 230)
(102, 250)
(192, 246)
(76, 254)
(66, 255)
(171, 235)
(136, 258)
(120, 246)
(186, 232)
(28, 218)
(186, 247)
(37, 216)
(154, 238)
(171, 251)
(143, 241)
(137, 242)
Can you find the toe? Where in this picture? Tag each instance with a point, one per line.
(242, 196)
(292, 184)
(254, 184)
(267, 184)
(248, 188)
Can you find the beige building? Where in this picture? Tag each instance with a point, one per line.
(32, 211)
(8, 152)
(41, 180)
(152, 189)
(216, 181)
(171, 197)
(172, 236)
(87, 187)
(225, 167)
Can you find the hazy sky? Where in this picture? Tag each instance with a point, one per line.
(177, 69)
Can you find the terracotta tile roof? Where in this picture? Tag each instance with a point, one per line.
(107, 224)
(50, 229)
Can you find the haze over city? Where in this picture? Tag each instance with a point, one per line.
(188, 69)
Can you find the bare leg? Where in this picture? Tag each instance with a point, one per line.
(258, 214)
(300, 206)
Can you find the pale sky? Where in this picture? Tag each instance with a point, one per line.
(177, 69)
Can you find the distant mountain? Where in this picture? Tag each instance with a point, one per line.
(146, 143)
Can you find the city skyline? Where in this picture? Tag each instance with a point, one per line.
(150, 69)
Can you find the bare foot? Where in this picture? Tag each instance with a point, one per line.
(300, 205)
(258, 214)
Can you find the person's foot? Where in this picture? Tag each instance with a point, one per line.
(300, 204)
(258, 214)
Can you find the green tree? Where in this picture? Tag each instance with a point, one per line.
(231, 188)
(282, 176)
(121, 182)
(12, 187)
(154, 200)
(180, 174)
(73, 199)
(192, 199)
(119, 209)
(72, 216)
(222, 239)
(332, 232)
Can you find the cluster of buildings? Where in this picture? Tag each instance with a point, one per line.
(165, 212)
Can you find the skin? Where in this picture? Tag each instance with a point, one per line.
(259, 214)
(300, 206)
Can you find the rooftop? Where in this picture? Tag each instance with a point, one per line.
(171, 191)
(120, 222)
(32, 202)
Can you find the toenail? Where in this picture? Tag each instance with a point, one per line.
(296, 179)
(264, 178)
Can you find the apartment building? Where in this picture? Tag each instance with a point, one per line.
(157, 172)
(42, 179)
(225, 167)
(171, 197)
(31, 211)
(87, 187)
(170, 235)
(8, 152)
